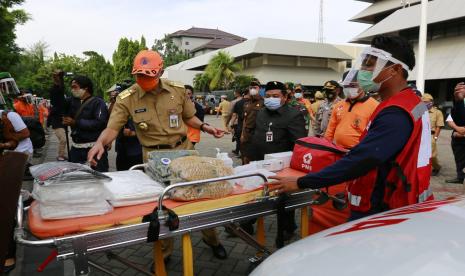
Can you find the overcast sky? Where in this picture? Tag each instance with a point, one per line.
(74, 26)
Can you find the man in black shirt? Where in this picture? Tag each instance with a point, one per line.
(88, 117)
(237, 118)
(457, 141)
(57, 100)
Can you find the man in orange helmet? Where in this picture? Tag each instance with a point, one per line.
(161, 112)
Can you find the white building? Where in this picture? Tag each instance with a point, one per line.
(198, 41)
(445, 56)
(308, 63)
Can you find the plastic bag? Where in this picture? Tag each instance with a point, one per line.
(62, 211)
(51, 173)
(158, 164)
(69, 192)
(191, 168)
(131, 188)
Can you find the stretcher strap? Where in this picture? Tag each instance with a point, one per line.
(172, 222)
(281, 214)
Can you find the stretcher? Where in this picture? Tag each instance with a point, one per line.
(77, 238)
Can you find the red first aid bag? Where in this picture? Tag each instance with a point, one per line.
(312, 154)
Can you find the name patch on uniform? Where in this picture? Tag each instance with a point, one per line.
(140, 110)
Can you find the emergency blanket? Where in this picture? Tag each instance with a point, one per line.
(131, 188)
(191, 168)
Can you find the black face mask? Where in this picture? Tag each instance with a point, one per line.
(330, 95)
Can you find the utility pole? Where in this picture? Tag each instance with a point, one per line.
(321, 38)
(422, 46)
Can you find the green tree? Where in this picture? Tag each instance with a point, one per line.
(9, 51)
(100, 71)
(169, 51)
(241, 82)
(124, 56)
(201, 83)
(34, 70)
(222, 69)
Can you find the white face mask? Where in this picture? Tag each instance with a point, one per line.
(78, 93)
(298, 95)
(351, 92)
(253, 92)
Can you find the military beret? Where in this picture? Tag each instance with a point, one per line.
(255, 82)
(275, 85)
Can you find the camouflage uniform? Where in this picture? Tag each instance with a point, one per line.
(323, 115)
(302, 108)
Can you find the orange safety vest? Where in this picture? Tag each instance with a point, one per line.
(348, 122)
(24, 109)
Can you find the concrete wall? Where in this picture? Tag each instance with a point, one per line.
(193, 42)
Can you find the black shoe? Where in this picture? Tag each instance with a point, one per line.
(166, 260)
(454, 181)
(218, 250)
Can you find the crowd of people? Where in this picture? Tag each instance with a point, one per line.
(372, 112)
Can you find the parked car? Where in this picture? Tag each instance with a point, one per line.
(425, 239)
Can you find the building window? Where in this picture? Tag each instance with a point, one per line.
(187, 42)
(349, 64)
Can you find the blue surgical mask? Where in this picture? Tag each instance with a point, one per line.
(272, 103)
(298, 95)
(365, 81)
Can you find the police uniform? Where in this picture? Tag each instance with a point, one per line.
(159, 120)
(437, 120)
(251, 109)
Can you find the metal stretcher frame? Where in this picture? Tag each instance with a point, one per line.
(78, 246)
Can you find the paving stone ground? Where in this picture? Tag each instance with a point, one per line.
(205, 263)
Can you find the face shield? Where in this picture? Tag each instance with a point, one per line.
(28, 98)
(351, 89)
(368, 67)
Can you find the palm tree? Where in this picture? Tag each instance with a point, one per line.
(221, 70)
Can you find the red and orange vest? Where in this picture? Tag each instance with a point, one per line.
(408, 180)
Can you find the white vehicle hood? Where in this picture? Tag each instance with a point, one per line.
(425, 239)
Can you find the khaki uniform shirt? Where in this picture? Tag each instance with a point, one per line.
(225, 108)
(251, 109)
(157, 115)
(436, 118)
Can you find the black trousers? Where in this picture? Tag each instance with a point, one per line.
(78, 155)
(458, 148)
(124, 161)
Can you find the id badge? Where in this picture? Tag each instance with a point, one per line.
(174, 120)
(269, 136)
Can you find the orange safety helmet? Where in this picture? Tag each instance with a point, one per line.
(147, 62)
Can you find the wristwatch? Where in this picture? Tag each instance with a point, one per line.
(201, 126)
